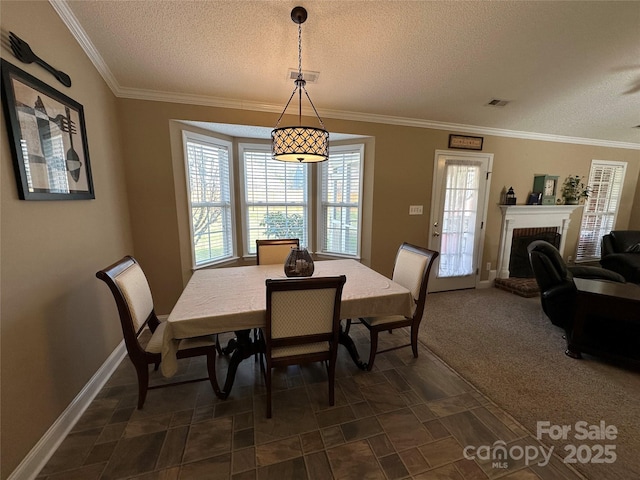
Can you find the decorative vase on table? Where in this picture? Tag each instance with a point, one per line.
(299, 263)
(571, 201)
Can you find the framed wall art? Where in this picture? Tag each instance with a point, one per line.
(465, 142)
(48, 139)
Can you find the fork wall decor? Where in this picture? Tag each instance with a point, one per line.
(23, 52)
(48, 139)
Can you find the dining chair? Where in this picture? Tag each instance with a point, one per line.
(274, 251)
(132, 294)
(411, 270)
(302, 325)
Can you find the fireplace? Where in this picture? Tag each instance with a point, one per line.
(554, 219)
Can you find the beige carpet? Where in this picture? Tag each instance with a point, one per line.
(505, 346)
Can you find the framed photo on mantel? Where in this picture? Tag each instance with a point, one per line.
(465, 142)
(48, 139)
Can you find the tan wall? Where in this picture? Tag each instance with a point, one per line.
(58, 321)
(402, 176)
(634, 220)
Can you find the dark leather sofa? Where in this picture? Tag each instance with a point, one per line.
(621, 253)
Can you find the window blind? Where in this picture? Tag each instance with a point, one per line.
(341, 183)
(275, 197)
(601, 207)
(209, 200)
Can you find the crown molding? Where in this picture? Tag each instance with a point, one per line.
(202, 100)
(69, 19)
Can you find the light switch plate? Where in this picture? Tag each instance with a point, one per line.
(415, 209)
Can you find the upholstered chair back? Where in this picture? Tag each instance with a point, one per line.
(272, 252)
(408, 270)
(133, 284)
(302, 312)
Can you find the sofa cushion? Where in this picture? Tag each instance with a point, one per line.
(623, 240)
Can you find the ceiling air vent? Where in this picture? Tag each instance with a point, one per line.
(307, 75)
(497, 103)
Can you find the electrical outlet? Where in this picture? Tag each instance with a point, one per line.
(488, 266)
(415, 209)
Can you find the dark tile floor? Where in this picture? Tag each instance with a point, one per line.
(408, 418)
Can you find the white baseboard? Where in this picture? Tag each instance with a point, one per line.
(489, 282)
(40, 454)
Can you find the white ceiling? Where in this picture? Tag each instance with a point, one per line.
(570, 69)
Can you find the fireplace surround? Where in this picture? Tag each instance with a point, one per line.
(534, 217)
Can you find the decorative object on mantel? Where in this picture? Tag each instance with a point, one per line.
(48, 139)
(300, 144)
(574, 190)
(465, 142)
(23, 52)
(299, 263)
(547, 185)
(510, 197)
(535, 199)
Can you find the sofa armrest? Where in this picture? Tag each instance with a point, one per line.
(596, 273)
(563, 290)
(607, 246)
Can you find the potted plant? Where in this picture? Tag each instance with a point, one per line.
(574, 189)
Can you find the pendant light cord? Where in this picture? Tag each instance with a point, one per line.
(300, 85)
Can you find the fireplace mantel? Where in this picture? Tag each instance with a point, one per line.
(530, 216)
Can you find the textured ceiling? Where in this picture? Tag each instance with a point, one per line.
(568, 68)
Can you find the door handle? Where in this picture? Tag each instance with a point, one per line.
(436, 234)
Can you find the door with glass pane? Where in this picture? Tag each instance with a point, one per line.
(458, 215)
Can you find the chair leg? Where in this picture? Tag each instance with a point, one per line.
(143, 384)
(267, 381)
(211, 369)
(262, 353)
(332, 381)
(374, 349)
(218, 348)
(256, 337)
(347, 326)
(414, 341)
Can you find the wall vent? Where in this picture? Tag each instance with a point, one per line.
(496, 102)
(307, 75)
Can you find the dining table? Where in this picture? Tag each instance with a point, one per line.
(233, 299)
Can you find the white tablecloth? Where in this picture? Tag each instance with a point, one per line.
(229, 299)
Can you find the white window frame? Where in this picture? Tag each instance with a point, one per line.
(189, 136)
(266, 148)
(590, 240)
(322, 203)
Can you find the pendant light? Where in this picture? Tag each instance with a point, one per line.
(299, 143)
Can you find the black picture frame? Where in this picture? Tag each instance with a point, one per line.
(48, 139)
(465, 142)
(535, 199)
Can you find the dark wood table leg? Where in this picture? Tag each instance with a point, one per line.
(347, 341)
(239, 348)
